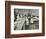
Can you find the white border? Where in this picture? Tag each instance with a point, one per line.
(25, 31)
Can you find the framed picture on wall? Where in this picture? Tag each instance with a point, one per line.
(24, 19)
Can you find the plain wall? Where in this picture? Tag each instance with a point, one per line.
(2, 20)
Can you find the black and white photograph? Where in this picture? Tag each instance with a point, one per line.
(26, 19)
